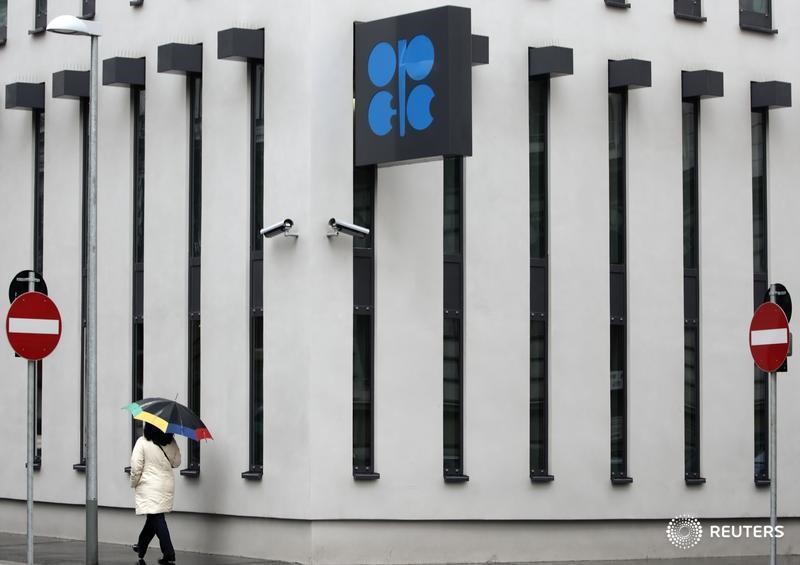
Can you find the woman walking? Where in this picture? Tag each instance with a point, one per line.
(153, 458)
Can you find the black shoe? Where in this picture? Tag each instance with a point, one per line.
(166, 561)
(135, 547)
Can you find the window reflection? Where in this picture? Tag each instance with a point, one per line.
(616, 164)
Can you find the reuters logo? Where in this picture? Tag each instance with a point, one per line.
(684, 531)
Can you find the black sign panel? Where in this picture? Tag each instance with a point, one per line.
(19, 284)
(413, 86)
(782, 298)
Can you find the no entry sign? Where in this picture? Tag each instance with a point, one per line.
(33, 326)
(769, 337)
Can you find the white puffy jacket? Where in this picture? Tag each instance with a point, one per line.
(151, 475)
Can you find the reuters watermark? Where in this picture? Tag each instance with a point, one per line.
(686, 531)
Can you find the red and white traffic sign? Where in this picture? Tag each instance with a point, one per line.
(33, 326)
(769, 337)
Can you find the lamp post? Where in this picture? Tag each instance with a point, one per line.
(71, 25)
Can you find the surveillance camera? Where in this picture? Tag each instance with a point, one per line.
(337, 226)
(279, 228)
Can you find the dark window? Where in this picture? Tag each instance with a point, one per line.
(87, 9)
(760, 278)
(38, 255)
(619, 428)
(453, 414)
(363, 436)
(364, 179)
(538, 402)
(691, 411)
(37, 451)
(538, 92)
(452, 206)
(256, 395)
(40, 17)
(38, 189)
(453, 319)
(194, 387)
(690, 217)
(137, 347)
(195, 163)
(689, 9)
(537, 156)
(761, 7)
(617, 110)
(256, 271)
(691, 287)
(759, 132)
(195, 221)
(755, 15)
(3, 21)
(137, 391)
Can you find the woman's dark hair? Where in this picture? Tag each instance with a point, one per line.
(152, 433)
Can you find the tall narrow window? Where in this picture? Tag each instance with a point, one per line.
(137, 329)
(691, 290)
(538, 92)
(617, 110)
(3, 21)
(195, 217)
(40, 17)
(87, 9)
(84, 102)
(363, 325)
(760, 278)
(38, 257)
(453, 320)
(256, 360)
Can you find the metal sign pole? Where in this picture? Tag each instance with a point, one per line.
(31, 440)
(31, 279)
(773, 466)
(773, 455)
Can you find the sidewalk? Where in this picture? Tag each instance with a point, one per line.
(54, 551)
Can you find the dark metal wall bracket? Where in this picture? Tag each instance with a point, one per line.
(770, 95)
(628, 74)
(71, 84)
(549, 62)
(239, 44)
(180, 58)
(25, 96)
(480, 50)
(702, 84)
(124, 71)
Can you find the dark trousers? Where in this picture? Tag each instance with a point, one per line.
(156, 525)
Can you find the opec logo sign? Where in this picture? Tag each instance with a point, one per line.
(412, 60)
(413, 86)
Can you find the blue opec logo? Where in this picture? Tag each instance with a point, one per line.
(413, 59)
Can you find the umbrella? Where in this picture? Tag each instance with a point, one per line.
(170, 417)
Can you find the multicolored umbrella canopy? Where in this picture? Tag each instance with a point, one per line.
(170, 417)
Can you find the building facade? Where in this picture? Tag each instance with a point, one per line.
(540, 351)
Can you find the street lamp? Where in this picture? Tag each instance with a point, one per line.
(71, 25)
